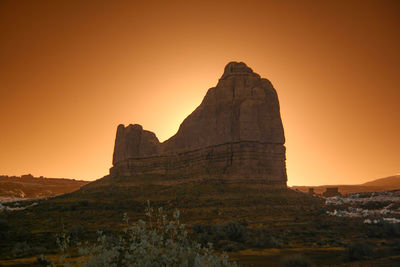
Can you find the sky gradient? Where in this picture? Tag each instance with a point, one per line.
(71, 71)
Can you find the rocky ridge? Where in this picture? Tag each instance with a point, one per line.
(235, 134)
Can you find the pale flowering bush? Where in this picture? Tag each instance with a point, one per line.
(158, 242)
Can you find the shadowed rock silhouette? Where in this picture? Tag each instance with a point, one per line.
(235, 134)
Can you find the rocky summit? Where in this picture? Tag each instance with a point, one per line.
(236, 134)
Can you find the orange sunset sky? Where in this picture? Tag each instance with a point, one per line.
(71, 71)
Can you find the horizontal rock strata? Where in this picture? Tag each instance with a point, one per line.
(239, 160)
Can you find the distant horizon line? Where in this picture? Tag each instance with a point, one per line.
(86, 180)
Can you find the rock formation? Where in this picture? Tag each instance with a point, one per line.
(235, 134)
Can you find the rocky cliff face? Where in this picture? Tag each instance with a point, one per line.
(236, 133)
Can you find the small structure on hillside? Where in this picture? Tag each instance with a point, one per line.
(331, 192)
(311, 191)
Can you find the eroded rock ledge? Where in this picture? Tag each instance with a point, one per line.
(235, 134)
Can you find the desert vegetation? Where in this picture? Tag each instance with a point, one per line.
(253, 226)
(155, 242)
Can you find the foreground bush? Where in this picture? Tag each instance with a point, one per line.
(156, 243)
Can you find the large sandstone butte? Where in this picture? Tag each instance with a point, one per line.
(235, 134)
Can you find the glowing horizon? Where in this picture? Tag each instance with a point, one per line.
(72, 72)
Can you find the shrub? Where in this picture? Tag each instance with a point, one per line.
(21, 249)
(228, 245)
(359, 251)
(262, 238)
(235, 231)
(395, 244)
(43, 261)
(296, 260)
(83, 203)
(4, 226)
(155, 243)
(76, 232)
(374, 231)
(230, 236)
(22, 235)
(391, 229)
